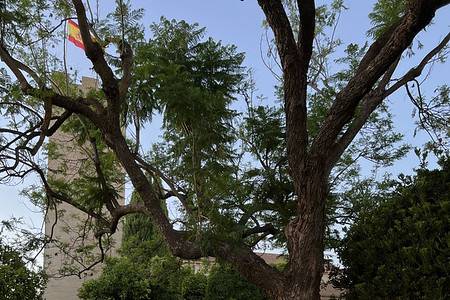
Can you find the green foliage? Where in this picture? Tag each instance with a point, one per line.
(146, 270)
(225, 283)
(268, 183)
(194, 286)
(264, 132)
(141, 240)
(192, 81)
(120, 279)
(385, 13)
(123, 22)
(400, 249)
(18, 17)
(17, 281)
(188, 77)
(165, 278)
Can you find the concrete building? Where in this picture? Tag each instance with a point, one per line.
(73, 247)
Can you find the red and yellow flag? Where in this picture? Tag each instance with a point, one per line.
(74, 34)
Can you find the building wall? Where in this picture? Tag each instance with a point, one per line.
(69, 227)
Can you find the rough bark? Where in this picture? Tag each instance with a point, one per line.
(305, 236)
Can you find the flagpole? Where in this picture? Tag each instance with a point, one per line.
(65, 59)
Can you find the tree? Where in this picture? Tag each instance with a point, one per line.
(147, 270)
(144, 269)
(17, 280)
(226, 208)
(398, 249)
(226, 283)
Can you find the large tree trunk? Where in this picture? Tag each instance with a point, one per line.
(305, 236)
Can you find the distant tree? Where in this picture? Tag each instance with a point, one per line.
(240, 174)
(399, 249)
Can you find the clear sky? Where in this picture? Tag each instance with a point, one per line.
(240, 23)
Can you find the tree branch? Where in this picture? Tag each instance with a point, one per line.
(61, 197)
(13, 65)
(279, 22)
(176, 240)
(95, 54)
(78, 105)
(295, 60)
(126, 55)
(368, 104)
(306, 33)
(417, 71)
(175, 191)
(108, 197)
(44, 127)
(119, 212)
(267, 228)
(376, 62)
(371, 101)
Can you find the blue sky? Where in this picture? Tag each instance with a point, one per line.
(240, 23)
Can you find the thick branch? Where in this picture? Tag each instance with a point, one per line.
(417, 71)
(306, 33)
(253, 268)
(58, 123)
(376, 63)
(267, 228)
(295, 61)
(279, 22)
(95, 54)
(14, 67)
(176, 240)
(371, 101)
(127, 63)
(77, 105)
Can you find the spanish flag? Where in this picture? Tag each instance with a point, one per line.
(74, 34)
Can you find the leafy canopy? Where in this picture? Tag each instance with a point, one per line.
(399, 249)
(17, 280)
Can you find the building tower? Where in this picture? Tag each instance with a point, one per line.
(73, 247)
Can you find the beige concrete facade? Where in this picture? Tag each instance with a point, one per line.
(73, 247)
